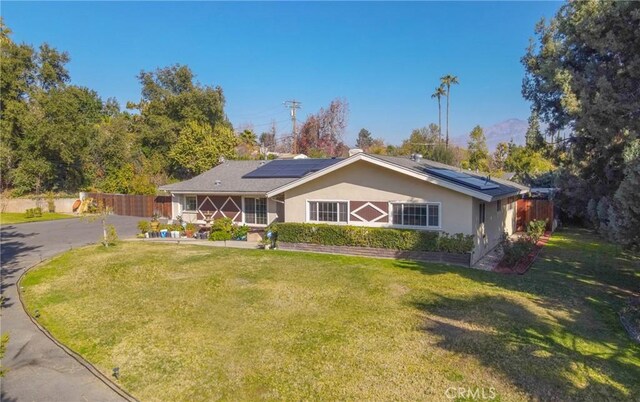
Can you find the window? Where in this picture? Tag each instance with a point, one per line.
(498, 205)
(190, 203)
(406, 214)
(481, 212)
(255, 211)
(321, 211)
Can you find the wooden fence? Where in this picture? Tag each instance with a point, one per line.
(531, 210)
(135, 205)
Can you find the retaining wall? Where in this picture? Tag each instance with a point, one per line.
(63, 205)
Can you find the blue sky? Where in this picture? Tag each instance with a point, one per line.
(385, 58)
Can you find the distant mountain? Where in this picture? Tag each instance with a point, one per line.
(505, 131)
(499, 132)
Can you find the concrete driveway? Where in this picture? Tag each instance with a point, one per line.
(38, 369)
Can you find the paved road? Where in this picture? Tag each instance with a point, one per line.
(39, 370)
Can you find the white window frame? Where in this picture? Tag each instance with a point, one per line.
(308, 212)
(392, 207)
(244, 214)
(195, 197)
(482, 213)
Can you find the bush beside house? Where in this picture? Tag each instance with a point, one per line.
(385, 238)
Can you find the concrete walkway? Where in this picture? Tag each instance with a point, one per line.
(39, 369)
(490, 260)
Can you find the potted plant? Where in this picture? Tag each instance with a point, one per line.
(144, 227)
(190, 229)
(155, 224)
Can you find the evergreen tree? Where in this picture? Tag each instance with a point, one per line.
(478, 151)
(534, 139)
(365, 140)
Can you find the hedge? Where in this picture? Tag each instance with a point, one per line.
(359, 236)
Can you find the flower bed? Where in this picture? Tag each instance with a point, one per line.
(523, 265)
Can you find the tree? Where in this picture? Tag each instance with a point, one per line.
(447, 81)
(58, 132)
(534, 139)
(321, 134)
(581, 74)
(625, 212)
(378, 147)
(364, 141)
(421, 141)
(268, 141)
(247, 143)
(438, 94)
(478, 152)
(171, 99)
(500, 156)
(201, 147)
(527, 164)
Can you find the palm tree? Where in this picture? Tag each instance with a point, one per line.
(439, 93)
(447, 81)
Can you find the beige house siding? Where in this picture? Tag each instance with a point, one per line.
(489, 234)
(363, 181)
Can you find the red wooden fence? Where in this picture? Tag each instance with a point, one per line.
(531, 210)
(134, 205)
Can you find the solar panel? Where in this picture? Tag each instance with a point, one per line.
(464, 179)
(289, 168)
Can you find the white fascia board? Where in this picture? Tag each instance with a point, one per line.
(239, 193)
(385, 164)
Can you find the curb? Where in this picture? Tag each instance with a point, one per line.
(90, 367)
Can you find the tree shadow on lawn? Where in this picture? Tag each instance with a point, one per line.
(540, 356)
(559, 337)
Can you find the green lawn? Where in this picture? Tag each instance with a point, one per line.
(7, 218)
(198, 323)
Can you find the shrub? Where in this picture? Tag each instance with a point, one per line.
(33, 213)
(397, 239)
(144, 226)
(51, 204)
(514, 251)
(219, 236)
(191, 226)
(239, 232)
(112, 236)
(535, 229)
(221, 229)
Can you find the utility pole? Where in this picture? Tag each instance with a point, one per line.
(293, 105)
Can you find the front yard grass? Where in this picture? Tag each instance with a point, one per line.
(9, 218)
(198, 323)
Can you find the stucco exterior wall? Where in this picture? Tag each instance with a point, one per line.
(364, 181)
(489, 234)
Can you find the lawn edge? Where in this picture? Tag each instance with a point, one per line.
(71, 216)
(86, 364)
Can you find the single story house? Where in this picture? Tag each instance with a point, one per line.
(363, 189)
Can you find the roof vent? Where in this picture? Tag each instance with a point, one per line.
(217, 183)
(416, 157)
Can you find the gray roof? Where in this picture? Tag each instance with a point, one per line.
(229, 174)
(231, 181)
(505, 187)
